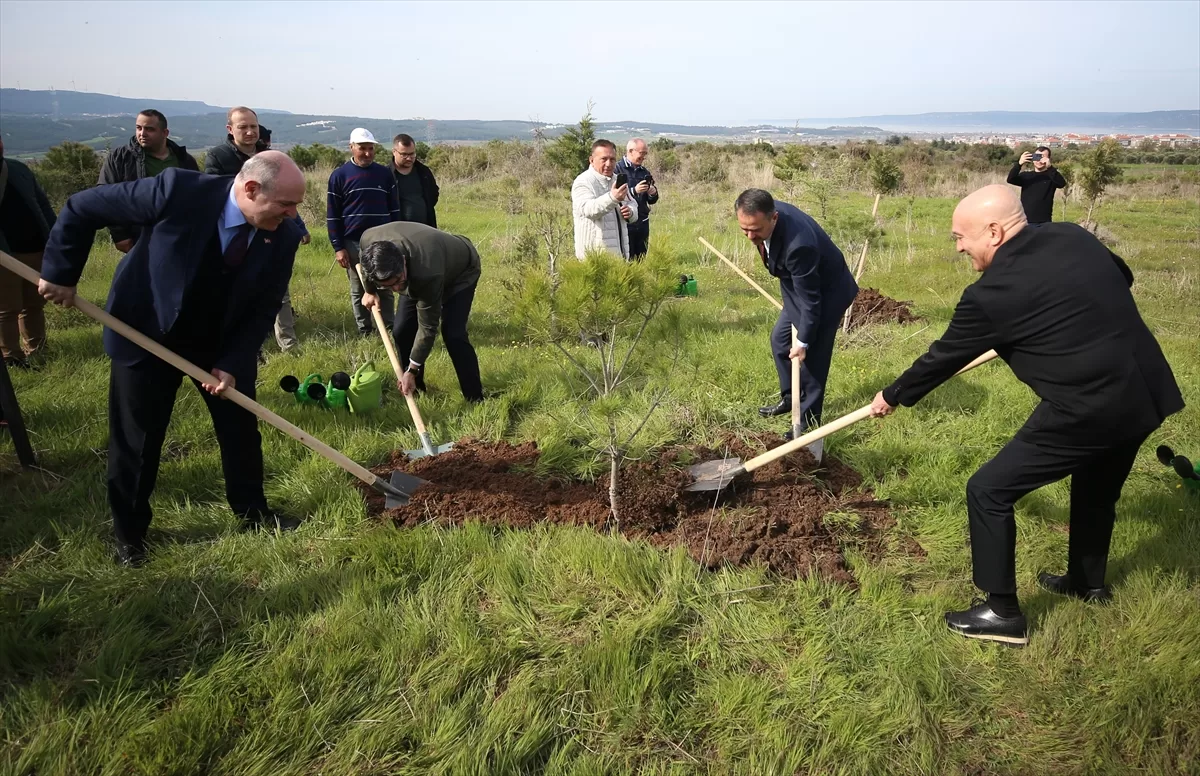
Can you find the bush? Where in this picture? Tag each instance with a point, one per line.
(668, 161)
(708, 168)
(316, 155)
(67, 168)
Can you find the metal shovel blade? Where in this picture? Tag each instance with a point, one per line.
(1165, 455)
(714, 475)
(425, 453)
(402, 486)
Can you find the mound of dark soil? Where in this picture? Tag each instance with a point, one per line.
(774, 516)
(870, 307)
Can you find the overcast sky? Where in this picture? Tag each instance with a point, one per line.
(670, 62)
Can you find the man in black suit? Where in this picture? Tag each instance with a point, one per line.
(1055, 304)
(206, 280)
(817, 287)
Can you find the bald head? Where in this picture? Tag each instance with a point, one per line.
(268, 189)
(984, 220)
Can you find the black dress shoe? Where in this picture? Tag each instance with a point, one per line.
(1062, 586)
(980, 622)
(130, 555)
(270, 522)
(782, 408)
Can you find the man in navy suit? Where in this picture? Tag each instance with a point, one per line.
(206, 280)
(817, 287)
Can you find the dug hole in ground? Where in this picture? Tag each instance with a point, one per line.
(775, 516)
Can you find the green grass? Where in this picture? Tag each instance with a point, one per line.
(354, 648)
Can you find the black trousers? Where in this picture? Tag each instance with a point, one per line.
(1025, 464)
(140, 401)
(639, 239)
(814, 372)
(455, 313)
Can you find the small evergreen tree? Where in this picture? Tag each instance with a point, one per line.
(570, 152)
(1097, 170)
(615, 309)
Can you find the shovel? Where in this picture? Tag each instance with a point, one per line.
(397, 491)
(715, 475)
(427, 446)
(795, 341)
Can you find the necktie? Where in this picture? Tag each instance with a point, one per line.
(235, 252)
(762, 251)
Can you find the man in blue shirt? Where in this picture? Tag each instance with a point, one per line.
(362, 194)
(206, 280)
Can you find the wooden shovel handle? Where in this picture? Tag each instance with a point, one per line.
(747, 278)
(836, 425)
(391, 351)
(795, 386)
(193, 371)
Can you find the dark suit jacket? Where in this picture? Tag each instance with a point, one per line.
(816, 284)
(1056, 305)
(178, 211)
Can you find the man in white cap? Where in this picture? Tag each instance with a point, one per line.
(362, 194)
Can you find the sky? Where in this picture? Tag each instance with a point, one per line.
(679, 62)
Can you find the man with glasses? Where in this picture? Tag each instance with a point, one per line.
(435, 273)
(416, 187)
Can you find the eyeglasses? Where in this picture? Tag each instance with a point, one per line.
(402, 155)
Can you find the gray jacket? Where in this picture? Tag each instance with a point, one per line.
(439, 266)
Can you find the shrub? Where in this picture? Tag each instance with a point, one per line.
(66, 169)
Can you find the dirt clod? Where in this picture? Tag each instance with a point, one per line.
(775, 516)
(872, 307)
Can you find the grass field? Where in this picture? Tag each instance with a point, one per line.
(351, 647)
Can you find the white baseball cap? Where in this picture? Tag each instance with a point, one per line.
(361, 135)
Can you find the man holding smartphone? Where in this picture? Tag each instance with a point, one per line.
(1037, 185)
(644, 192)
(602, 205)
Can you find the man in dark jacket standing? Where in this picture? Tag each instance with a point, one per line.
(205, 280)
(242, 140)
(1037, 185)
(228, 159)
(641, 184)
(817, 287)
(415, 185)
(1055, 304)
(26, 218)
(148, 153)
(435, 274)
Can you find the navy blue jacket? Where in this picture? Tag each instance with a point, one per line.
(637, 174)
(814, 280)
(178, 210)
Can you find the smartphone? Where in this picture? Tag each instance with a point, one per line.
(622, 179)
(1036, 157)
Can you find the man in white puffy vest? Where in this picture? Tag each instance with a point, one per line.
(602, 209)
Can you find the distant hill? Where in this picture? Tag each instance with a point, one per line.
(30, 125)
(1023, 121)
(68, 104)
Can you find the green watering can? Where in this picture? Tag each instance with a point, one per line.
(314, 390)
(366, 389)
